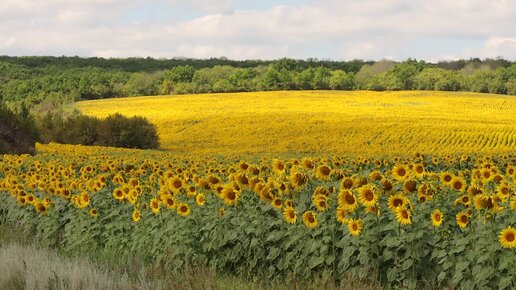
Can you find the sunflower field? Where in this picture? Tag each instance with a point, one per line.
(409, 222)
(325, 123)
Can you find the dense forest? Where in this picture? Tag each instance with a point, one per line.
(42, 83)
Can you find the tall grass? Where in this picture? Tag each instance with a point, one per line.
(26, 265)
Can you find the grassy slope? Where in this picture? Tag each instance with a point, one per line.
(328, 122)
(26, 265)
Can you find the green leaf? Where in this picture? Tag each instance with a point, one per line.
(315, 261)
(273, 253)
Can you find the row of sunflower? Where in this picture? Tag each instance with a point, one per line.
(436, 220)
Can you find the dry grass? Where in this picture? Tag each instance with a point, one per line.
(27, 266)
(30, 267)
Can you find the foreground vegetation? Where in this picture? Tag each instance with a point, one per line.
(325, 122)
(420, 221)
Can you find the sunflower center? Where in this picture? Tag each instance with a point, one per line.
(447, 178)
(311, 219)
(464, 219)
(438, 217)
(402, 172)
(404, 214)
(369, 196)
(410, 185)
(397, 202)
(325, 170)
(457, 185)
(177, 184)
(419, 169)
(350, 199)
(509, 237)
(348, 183)
(184, 209)
(291, 215)
(355, 227)
(231, 195)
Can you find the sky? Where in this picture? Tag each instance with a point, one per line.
(431, 30)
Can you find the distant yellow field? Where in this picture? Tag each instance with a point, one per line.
(326, 122)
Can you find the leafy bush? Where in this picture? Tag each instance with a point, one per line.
(120, 131)
(18, 132)
(114, 131)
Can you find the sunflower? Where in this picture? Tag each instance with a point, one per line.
(446, 177)
(503, 192)
(289, 203)
(170, 202)
(400, 172)
(278, 166)
(367, 196)
(230, 195)
(458, 184)
(387, 185)
(403, 215)
(183, 209)
(307, 163)
(176, 184)
(342, 214)
(507, 237)
(118, 194)
(486, 174)
(154, 205)
(397, 200)
(483, 201)
(462, 219)
(290, 215)
(375, 175)
(320, 202)
(41, 207)
(200, 199)
(136, 215)
(419, 170)
(437, 218)
(410, 186)
(22, 201)
(355, 226)
(346, 183)
(323, 172)
(298, 179)
(94, 212)
(310, 219)
(513, 202)
(84, 200)
(277, 203)
(347, 200)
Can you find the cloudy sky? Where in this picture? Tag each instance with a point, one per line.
(265, 29)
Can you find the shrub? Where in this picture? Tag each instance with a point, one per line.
(18, 132)
(119, 131)
(114, 131)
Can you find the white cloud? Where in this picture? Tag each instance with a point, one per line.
(326, 29)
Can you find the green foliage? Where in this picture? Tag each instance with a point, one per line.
(134, 132)
(38, 80)
(18, 131)
(114, 131)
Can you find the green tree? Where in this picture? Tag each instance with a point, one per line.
(340, 80)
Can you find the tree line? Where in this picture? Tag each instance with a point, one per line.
(20, 130)
(48, 82)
